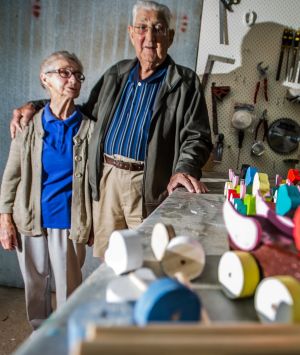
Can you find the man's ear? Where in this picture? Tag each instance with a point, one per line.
(171, 34)
(130, 33)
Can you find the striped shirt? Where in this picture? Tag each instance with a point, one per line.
(128, 131)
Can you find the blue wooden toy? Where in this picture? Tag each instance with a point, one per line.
(288, 199)
(251, 171)
(167, 300)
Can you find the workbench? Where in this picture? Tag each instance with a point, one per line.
(195, 215)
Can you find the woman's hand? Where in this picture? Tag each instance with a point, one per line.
(8, 233)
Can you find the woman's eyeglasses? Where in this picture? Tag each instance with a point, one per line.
(67, 73)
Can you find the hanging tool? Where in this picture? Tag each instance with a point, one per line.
(289, 45)
(284, 41)
(225, 5)
(293, 68)
(211, 59)
(262, 72)
(241, 120)
(218, 93)
(258, 148)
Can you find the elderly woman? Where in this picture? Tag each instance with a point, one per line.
(45, 202)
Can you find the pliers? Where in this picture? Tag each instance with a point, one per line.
(262, 76)
(262, 121)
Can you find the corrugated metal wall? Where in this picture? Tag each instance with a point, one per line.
(96, 30)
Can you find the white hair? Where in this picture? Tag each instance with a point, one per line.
(47, 63)
(152, 5)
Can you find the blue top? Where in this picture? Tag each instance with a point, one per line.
(128, 131)
(57, 168)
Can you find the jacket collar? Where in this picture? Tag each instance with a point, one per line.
(172, 76)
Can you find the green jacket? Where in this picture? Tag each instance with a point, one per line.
(179, 138)
(22, 180)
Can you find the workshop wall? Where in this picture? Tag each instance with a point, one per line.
(249, 46)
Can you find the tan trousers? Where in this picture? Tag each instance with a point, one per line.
(37, 257)
(120, 204)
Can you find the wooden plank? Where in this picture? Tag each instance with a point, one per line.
(231, 344)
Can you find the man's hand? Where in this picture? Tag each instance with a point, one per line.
(187, 181)
(24, 113)
(8, 233)
(90, 241)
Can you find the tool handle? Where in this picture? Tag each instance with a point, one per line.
(241, 136)
(266, 89)
(214, 111)
(256, 92)
(279, 64)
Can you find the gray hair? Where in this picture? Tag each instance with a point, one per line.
(48, 62)
(152, 5)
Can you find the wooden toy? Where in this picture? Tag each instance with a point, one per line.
(248, 232)
(296, 230)
(124, 251)
(240, 206)
(251, 171)
(184, 259)
(242, 189)
(261, 184)
(167, 300)
(244, 232)
(126, 288)
(277, 300)
(238, 274)
(288, 199)
(250, 204)
(264, 209)
(161, 236)
(294, 176)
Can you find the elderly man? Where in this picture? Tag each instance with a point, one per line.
(152, 132)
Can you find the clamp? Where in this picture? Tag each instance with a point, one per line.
(262, 71)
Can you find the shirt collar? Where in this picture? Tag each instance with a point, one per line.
(156, 76)
(74, 118)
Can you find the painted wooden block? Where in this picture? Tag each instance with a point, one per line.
(242, 189)
(251, 171)
(126, 288)
(277, 300)
(244, 232)
(227, 186)
(167, 300)
(267, 210)
(184, 259)
(278, 180)
(239, 206)
(124, 252)
(160, 238)
(232, 193)
(238, 274)
(296, 230)
(248, 232)
(288, 199)
(250, 203)
(294, 176)
(261, 184)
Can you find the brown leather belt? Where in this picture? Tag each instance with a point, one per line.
(124, 164)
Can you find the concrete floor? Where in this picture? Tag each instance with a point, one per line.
(14, 328)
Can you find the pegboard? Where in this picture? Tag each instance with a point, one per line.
(260, 44)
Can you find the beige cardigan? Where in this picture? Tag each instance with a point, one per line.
(22, 179)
